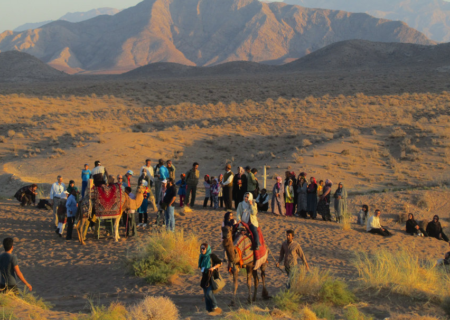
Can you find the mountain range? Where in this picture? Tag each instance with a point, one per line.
(199, 33)
(432, 17)
(71, 17)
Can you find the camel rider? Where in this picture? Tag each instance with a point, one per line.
(99, 174)
(246, 212)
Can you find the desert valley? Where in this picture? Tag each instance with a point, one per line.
(345, 96)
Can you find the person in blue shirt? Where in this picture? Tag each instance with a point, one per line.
(85, 176)
(163, 173)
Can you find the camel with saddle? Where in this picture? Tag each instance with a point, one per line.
(105, 202)
(238, 246)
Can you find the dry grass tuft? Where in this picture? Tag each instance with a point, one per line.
(308, 283)
(161, 308)
(402, 272)
(307, 314)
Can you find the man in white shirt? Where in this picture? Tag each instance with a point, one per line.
(56, 196)
(374, 225)
(227, 188)
(150, 172)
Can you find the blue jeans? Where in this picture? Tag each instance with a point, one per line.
(169, 216)
(216, 201)
(254, 230)
(210, 300)
(84, 185)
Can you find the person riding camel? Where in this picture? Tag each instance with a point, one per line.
(246, 212)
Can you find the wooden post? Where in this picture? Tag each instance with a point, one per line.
(265, 176)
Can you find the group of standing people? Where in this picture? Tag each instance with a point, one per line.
(298, 197)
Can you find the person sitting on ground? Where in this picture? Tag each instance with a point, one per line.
(362, 214)
(262, 201)
(291, 251)
(413, 228)
(434, 229)
(246, 212)
(209, 263)
(99, 174)
(9, 268)
(374, 225)
(27, 195)
(130, 214)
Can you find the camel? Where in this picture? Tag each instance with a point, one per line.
(87, 205)
(234, 258)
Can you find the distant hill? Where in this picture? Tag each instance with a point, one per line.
(432, 17)
(353, 54)
(22, 67)
(71, 17)
(199, 33)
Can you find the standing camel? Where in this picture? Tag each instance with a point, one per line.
(235, 254)
(110, 201)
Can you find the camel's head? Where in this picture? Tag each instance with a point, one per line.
(141, 189)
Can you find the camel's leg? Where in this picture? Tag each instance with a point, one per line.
(256, 282)
(265, 293)
(249, 283)
(78, 227)
(116, 228)
(235, 281)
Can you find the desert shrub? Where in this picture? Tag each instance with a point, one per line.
(402, 217)
(345, 152)
(287, 300)
(307, 314)
(308, 283)
(11, 133)
(402, 272)
(397, 133)
(323, 311)
(2, 139)
(423, 201)
(297, 158)
(306, 143)
(245, 314)
(336, 292)
(158, 308)
(33, 300)
(116, 311)
(446, 305)
(352, 313)
(161, 257)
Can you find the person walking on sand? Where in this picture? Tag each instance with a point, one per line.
(85, 177)
(209, 263)
(290, 252)
(192, 178)
(374, 225)
(9, 269)
(227, 188)
(278, 205)
(56, 196)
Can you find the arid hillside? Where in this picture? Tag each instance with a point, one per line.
(199, 33)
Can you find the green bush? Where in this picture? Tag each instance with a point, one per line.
(352, 313)
(323, 311)
(336, 292)
(287, 300)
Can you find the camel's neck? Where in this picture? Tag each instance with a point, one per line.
(229, 248)
(139, 199)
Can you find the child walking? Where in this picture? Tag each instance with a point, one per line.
(215, 190)
(182, 189)
(207, 185)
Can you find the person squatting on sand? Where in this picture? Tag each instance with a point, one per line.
(246, 212)
(290, 252)
(413, 228)
(9, 268)
(434, 229)
(374, 225)
(209, 263)
(27, 195)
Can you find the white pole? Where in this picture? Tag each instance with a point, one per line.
(265, 176)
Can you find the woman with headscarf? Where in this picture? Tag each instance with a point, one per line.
(209, 263)
(302, 202)
(323, 206)
(434, 229)
(289, 196)
(340, 202)
(363, 214)
(311, 197)
(247, 212)
(413, 228)
(239, 186)
(278, 205)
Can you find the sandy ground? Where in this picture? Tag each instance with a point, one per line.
(67, 274)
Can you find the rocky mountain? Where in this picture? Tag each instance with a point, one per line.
(71, 17)
(201, 33)
(22, 67)
(432, 17)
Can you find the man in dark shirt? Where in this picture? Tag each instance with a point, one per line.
(9, 268)
(169, 200)
(27, 195)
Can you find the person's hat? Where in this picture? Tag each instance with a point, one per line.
(130, 172)
(164, 181)
(248, 168)
(97, 163)
(144, 183)
(86, 165)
